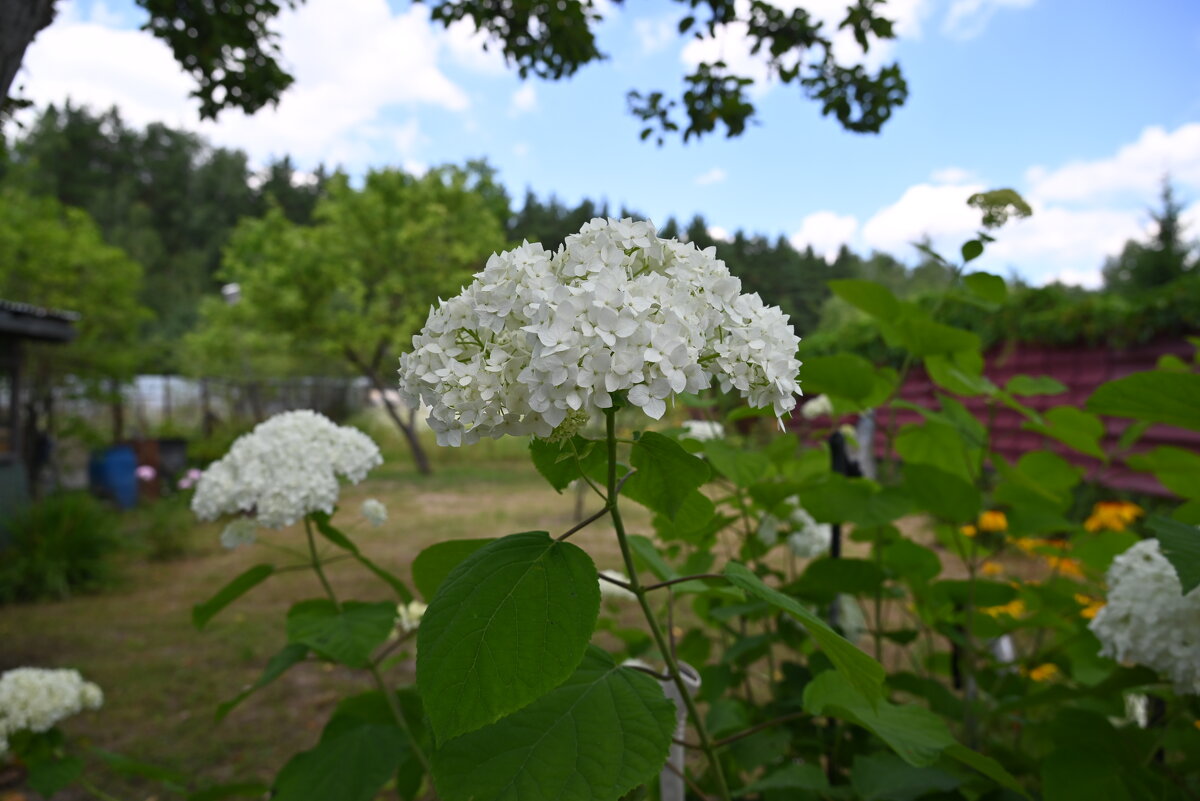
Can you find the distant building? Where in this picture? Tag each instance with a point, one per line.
(21, 323)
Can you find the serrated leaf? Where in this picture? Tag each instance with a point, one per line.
(985, 285)
(1025, 385)
(861, 671)
(845, 375)
(942, 494)
(283, 660)
(886, 777)
(508, 624)
(666, 474)
(562, 462)
(826, 578)
(48, 776)
(433, 564)
(1074, 428)
(875, 299)
(837, 499)
(599, 734)
(646, 553)
(242, 584)
(1180, 544)
(347, 635)
(1158, 397)
(923, 337)
(352, 762)
(972, 249)
(808, 777)
(233, 790)
(741, 467)
(1176, 469)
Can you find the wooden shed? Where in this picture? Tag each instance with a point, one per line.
(21, 323)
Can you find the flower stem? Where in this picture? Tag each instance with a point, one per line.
(636, 587)
(316, 564)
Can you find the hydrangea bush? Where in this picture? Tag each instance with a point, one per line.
(770, 589)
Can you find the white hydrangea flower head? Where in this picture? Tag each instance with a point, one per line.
(1148, 620)
(808, 539)
(820, 406)
(285, 468)
(242, 531)
(612, 591)
(408, 616)
(703, 430)
(35, 699)
(374, 511)
(539, 336)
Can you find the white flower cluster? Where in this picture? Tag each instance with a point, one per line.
(242, 531)
(540, 335)
(703, 430)
(35, 699)
(285, 468)
(615, 592)
(1148, 620)
(408, 616)
(805, 536)
(374, 511)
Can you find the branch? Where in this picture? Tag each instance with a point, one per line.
(733, 738)
(583, 524)
(682, 579)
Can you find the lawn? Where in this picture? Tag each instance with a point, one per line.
(163, 680)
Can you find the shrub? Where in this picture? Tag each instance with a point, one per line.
(60, 547)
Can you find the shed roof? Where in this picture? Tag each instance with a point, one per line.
(24, 321)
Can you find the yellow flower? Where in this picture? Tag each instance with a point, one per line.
(1013, 609)
(1090, 605)
(1044, 672)
(1112, 516)
(991, 569)
(993, 521)
(1065, 567)
(969, 530)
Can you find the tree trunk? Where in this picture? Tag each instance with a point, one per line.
(409, 430)
(20, 21)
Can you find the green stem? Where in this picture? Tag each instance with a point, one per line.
(389, 696)
(316, 563)
(636, 587)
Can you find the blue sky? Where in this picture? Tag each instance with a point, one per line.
(1082, 106)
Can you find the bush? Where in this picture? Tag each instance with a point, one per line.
(60, 547)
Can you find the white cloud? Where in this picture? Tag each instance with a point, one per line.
(720, 234)
(1136, 169)
(1090, 279)
(825, 232)
(655, 34)
(966, 19)
(951, 175)
(714, 176)
(466, 45)
(937, 211)
(345, 55)
(523, 100)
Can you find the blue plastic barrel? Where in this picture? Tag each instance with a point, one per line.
(112, 474)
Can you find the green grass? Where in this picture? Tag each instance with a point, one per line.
(163, 680)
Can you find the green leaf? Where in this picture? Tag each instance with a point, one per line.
(291, 654)
(233, 790)
(741, 467)
(943, 494)
(204, 612)
(913, 732)
(1180, 543)
(602, 732)
(960, 373)
(875, 299)
(334, 535)
(886, 777)
(807, 776)
(646, 553)
(1025, 385)
(923, 337)
(127, 766)
(1176, 469)
(826, 578)
(48, 776)
(838, 499)
(972, 249)
(510, 623)
(987, 766)
(985, 285)
(560, 463)
(352, 762)
(433, 564)
(861, 671)
(666, 474)
(347, 635)
(1158, 397)
(910, 562)
(980, 592)
(845, 375)
(1074, 428)
(942, 446)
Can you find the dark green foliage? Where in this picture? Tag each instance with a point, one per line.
(58, 547)
(1165, 258)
